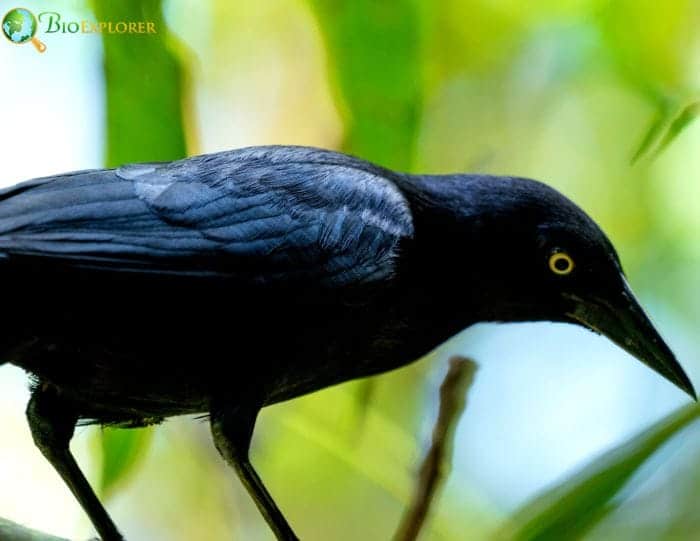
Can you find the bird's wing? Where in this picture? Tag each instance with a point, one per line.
(261, 216)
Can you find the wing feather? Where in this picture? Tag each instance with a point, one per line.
(260, 215)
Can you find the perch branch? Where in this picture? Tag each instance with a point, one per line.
(436, 463)
(10, 531)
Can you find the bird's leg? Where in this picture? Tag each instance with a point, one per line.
(232, 429)
(52, 422)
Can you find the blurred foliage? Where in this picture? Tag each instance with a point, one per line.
(678, 124)
(664, 123)
(121, 450)
(143, 85)
(656, 127)
(375, 58)
(569, 510)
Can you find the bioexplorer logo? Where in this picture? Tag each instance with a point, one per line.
(19, 25)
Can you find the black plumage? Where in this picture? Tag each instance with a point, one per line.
(226, 282)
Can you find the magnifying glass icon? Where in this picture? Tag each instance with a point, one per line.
(19, 26)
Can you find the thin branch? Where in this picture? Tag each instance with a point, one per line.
(10, 531)
(437, 461)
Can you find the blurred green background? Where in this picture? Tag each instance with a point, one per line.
(564, 436)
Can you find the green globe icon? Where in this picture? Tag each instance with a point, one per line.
(19, 26)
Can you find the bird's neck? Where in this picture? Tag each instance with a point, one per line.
(440, 263)
(439, 196)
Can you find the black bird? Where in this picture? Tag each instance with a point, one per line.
(224, 283)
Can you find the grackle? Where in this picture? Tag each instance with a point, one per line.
(227, 282)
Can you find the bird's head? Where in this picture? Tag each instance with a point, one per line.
(532, 254)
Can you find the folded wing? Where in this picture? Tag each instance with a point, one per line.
(267, 215)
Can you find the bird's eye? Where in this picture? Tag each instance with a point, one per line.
(561, 263)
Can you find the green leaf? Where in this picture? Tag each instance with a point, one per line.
(680, 123)
(375, 50)
(570, 509)
(652, 134)
(121, 451)
(144, 89)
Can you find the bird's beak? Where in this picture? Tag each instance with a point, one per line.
(624, 322)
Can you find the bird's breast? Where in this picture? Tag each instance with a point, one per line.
(160, 347)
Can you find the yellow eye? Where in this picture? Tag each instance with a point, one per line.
(561, 263)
